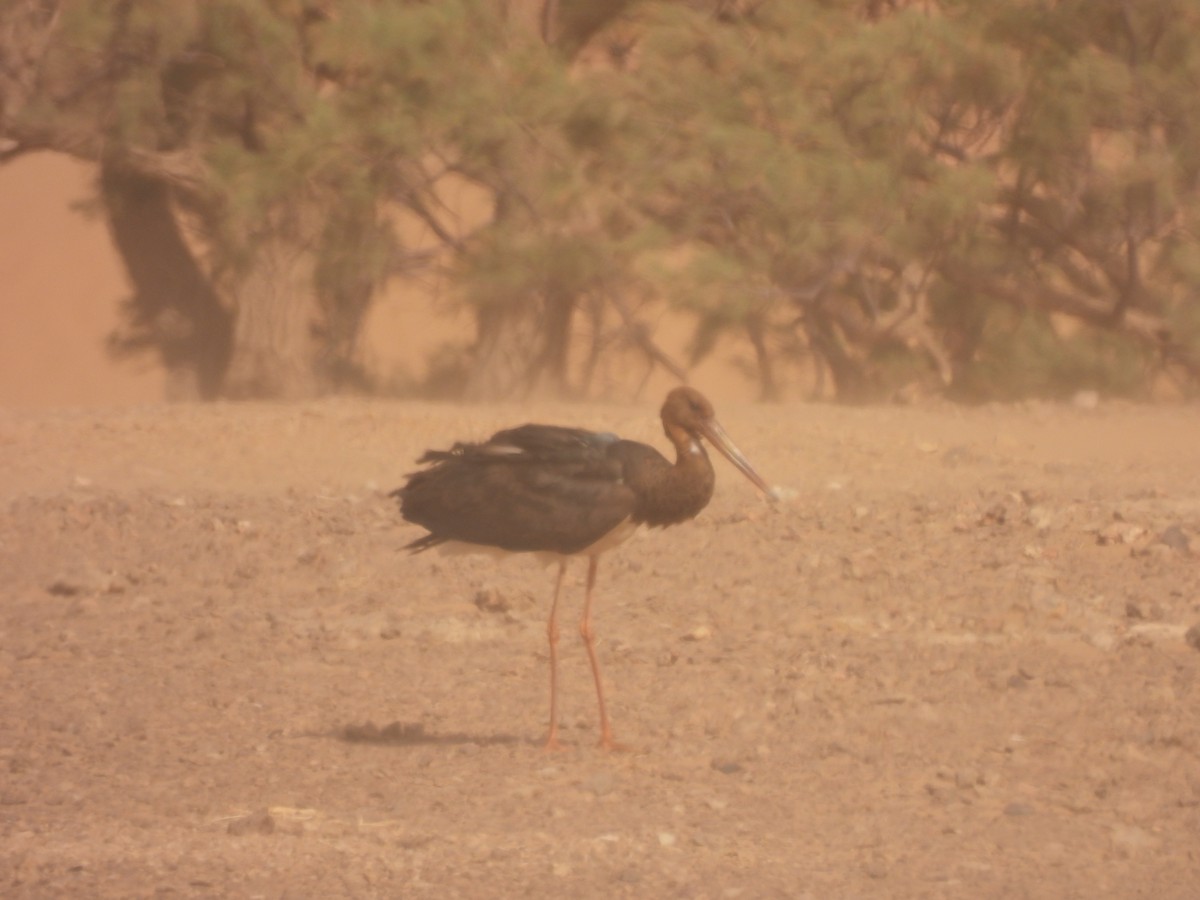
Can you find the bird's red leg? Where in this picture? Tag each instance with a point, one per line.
(552, 633)
(589, 640)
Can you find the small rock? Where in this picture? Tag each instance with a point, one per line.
(82, 579)
(939, 793)
(966, 778)
(1102, 640)
(726, 766)
(1142, 609)
(1120, 533)
(1192, 636)
(600, 784)
(876, 869)
(1159, 552)
(65, 586)
(256, 823)
(699, 633)
(994, 515)
(666, 839)
(1040, 517)
(1175, 538)
(1018, 809)
(491, 600)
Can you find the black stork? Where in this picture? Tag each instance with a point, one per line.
(565, 492)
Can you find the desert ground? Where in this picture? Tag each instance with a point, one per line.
(959, 660)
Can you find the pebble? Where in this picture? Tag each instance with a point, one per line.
(726, 766)
(1040, 518)
(876, 869)
(259, 822)
(1157, 551)
(82, 579)
(1192, 636)
(600, 784)
(1120, 533)
(491, 600)
(1102, 640)
(1175, 538)
(1140, 609)
(1018, 809)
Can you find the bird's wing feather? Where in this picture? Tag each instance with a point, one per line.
(530, 488)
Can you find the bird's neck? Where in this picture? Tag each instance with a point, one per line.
(684, 489)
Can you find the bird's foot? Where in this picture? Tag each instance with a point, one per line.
(607, 742)
(554, 745)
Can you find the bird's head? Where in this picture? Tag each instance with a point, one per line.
(687, 416)
(687, 409)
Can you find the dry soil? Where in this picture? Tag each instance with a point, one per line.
(958, 662)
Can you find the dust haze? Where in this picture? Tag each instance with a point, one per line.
(961, 662)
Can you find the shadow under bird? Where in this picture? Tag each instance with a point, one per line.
(565, 492)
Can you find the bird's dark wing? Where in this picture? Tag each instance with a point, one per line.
(536, 487)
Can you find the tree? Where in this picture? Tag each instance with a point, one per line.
(225, 133)
(872, 194)
(864, 184)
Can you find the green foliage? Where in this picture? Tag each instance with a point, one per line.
(892, 186)
(1022, 356)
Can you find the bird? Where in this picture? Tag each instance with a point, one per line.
(560, 493)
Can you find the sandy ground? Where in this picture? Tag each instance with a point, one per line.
(957, 664)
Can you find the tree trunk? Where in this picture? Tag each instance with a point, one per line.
(850, 382)
(549, 366)
(174, 309)
(275, 348)
(768, 384)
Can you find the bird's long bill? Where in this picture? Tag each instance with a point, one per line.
(716, 435)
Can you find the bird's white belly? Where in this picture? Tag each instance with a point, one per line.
(614, 538)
